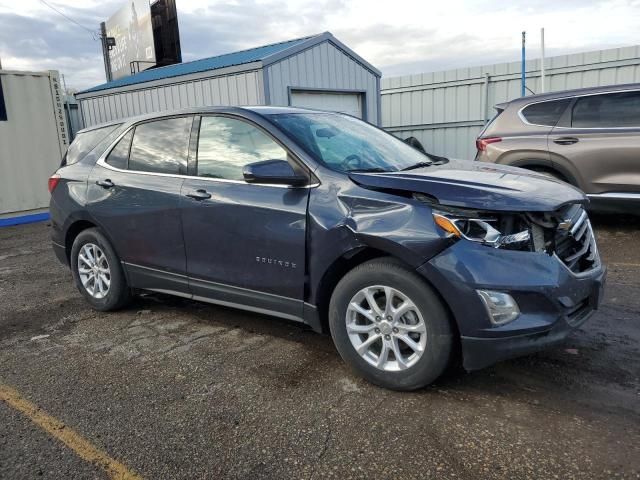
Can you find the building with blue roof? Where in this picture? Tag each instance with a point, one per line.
(317, 71)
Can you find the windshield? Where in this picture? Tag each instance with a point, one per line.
(347, 144)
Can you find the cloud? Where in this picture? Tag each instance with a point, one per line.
(404, 36)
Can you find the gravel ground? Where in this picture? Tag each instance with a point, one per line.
(178, 389)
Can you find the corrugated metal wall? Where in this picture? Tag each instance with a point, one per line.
(446, 110)
(322, 67)
(238, 89)
(32, 139)
(74, 119)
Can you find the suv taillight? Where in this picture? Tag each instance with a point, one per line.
(481, 143)
(53, 182)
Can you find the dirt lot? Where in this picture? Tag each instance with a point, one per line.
(171, 388)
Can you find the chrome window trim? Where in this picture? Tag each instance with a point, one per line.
(103, 163)
(525, 121)
(622, 195)
(522, 118)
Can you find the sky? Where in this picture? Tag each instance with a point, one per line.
(399, 37)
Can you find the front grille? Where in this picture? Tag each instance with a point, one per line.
(575, 243)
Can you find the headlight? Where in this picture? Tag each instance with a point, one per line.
(484, 229)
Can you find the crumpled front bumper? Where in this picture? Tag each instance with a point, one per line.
(552, 300)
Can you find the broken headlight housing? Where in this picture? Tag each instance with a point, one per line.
(498, 230)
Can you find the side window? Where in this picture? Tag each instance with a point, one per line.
(119, 155)
(161, 146)
(545, 113)
(85, 142)
(607, 111)
(226, 145)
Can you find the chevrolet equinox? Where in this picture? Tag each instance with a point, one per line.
(406, 260)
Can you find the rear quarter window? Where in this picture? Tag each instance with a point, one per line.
(499, 112)
(85, 142)
(545, 113)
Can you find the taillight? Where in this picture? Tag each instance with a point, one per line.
(481, 143)
(53, 182)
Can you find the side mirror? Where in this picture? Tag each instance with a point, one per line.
(274, 172)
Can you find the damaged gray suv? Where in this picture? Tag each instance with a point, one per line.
(409, 262)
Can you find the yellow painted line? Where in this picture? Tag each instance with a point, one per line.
(72, 439)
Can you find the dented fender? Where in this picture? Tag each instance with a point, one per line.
(352, 218)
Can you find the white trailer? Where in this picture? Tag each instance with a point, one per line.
(33, 139)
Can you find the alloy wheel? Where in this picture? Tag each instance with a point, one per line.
(93, 269)
(386, 328)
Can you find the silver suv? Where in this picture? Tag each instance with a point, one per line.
(588, 137)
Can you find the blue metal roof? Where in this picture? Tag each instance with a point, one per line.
(202, 65)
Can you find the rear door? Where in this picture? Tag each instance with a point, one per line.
(600, 142)
(134, 194)
(245, 243)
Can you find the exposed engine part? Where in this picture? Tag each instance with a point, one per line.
(537, 236)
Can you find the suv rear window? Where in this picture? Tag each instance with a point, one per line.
(607, 111)
(545, 113)
(85, 142)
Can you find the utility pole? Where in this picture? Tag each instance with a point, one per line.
(523, 79)
(105, 51)
(542, 60)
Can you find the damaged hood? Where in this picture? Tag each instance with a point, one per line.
(478, 185)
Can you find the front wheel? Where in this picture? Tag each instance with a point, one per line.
(390, 326)
(97, 271)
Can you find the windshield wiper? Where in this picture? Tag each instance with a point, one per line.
(367, 170)
(417, 165)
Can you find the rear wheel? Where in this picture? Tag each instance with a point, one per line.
(97, 271)
(389, 325)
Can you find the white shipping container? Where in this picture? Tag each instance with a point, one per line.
(33, 140)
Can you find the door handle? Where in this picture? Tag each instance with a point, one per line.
(105, 183)
(566, 140)
(200, 194)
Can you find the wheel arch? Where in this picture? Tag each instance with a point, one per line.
(546, 166)
(347, 262)
(78, 225)
(567, 170)
(334, 272)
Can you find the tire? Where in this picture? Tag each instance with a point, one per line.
(415, 369)
(117, 293)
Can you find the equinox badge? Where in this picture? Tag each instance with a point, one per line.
(274, 261)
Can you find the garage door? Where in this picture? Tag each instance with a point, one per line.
(350, 103)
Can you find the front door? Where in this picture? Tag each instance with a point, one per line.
(134, 194)
(245, 243)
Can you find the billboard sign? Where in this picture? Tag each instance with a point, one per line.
(132, 29)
